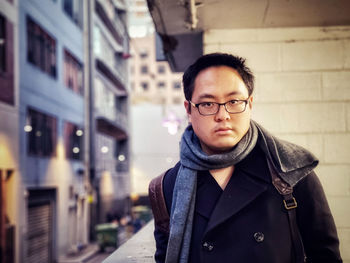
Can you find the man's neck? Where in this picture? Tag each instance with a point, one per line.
(222, 176)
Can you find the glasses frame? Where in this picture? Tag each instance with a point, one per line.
(196, 105)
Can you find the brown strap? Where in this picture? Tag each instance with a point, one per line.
(160, 212)
(290, 204)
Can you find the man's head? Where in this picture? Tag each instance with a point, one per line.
(214, 80)
(212, 60)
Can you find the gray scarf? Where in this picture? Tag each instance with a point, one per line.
(290, 161)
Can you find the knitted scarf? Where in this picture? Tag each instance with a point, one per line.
(292, 162)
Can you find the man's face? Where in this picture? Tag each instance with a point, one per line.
(220, 132)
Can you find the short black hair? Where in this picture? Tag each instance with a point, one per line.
(212, 60)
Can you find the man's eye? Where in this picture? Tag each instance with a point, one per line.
(233, 102)
(207, 104)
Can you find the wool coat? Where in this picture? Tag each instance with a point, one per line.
(247, 222)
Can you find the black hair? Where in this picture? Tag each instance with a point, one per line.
(212, 60)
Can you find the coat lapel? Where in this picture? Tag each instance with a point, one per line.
(239, 192)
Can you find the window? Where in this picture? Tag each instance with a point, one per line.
(73, 73)
(73, 141)
(6, 62)
(144, 69)
(41, 48)
(73, 8)
(2, 44)
(143, 54)
(161, 69)
(144, 86)
(177, 100)
(177, 85)
(121, 154)
(41, 133)
(161, 84)
(121, 103)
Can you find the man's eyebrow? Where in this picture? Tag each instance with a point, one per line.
(206, 96)
(210, 96)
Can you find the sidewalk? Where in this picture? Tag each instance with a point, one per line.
(82, 256)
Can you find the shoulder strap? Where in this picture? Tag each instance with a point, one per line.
(290, 204)
(160, 212)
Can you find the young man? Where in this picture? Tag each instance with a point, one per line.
(238, 193)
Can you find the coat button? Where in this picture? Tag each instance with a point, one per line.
(207, 246)
(259, 237)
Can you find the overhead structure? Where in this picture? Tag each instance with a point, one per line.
(182, 24)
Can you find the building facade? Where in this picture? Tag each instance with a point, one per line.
(109, 108)
(9, 149)
(54, 189)
(64, 156)
(151, 80)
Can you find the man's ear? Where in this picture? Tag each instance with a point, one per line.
(188, 109)
(250, 101)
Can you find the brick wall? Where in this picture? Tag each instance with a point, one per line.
(303, 95)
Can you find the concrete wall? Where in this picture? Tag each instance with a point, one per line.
(303, 95)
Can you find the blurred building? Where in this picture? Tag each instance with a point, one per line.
(53, 196)
(299, 53)
(157, 104)
(64, 130)
(109, 108)
(140, 21)
(151, 80)
(10, 193)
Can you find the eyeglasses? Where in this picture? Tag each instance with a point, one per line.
(212, 108)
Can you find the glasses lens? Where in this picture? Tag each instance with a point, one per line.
(208, 108)
(235, 106)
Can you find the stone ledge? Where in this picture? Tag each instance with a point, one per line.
(138, 249)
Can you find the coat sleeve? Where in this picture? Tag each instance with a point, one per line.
(161, 245)
(315, 221)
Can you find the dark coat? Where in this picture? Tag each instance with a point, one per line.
(247, 221)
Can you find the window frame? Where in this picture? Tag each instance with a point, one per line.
(73, 72)
(72, 140)
(3, 44)
(45, 144)
(41, 48)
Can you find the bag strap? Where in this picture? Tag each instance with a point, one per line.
(160, 212)
(290, 204)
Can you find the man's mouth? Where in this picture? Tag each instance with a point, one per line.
(223, 130)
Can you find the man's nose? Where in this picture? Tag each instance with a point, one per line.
(222, 114)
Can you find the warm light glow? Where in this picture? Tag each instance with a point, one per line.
(79, 133)
(134, 196)
(121, 158)
(38, 133)
(106, 184)
(76, 150)
(104, 149)
(28, 128)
